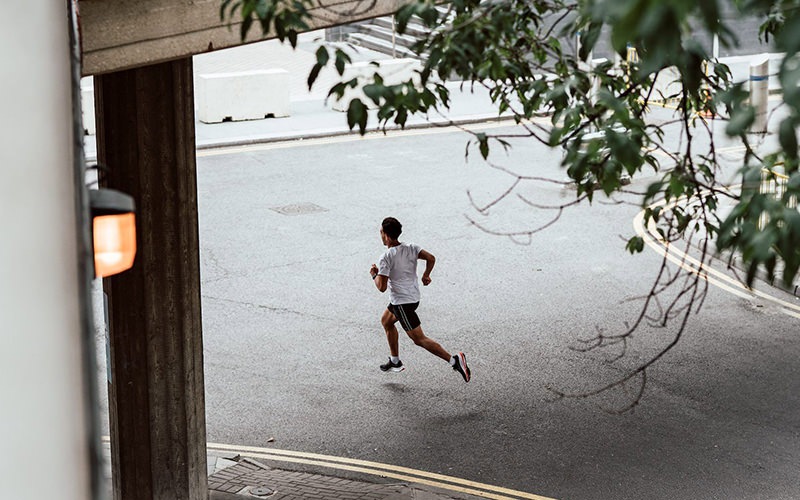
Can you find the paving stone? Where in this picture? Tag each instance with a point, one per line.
(224, 463)
(221, 495)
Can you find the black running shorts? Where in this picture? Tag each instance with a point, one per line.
(406, 314)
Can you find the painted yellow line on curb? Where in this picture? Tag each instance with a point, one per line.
(694, 266)
(376, 469)
(791, 313)
(383, 470)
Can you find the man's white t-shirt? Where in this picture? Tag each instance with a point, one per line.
(399, 263)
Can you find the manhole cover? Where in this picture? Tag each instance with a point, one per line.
(299, 209)
(261, 491)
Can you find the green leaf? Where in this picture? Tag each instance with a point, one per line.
(788, 138)
(375, 92)
(338, 90)
(357, 115)
(653, 190)
(261, 9)
(483, 144)
(635, 245)
(313, 74)
(247, 22)
(280, 29)
(341, 60)
(322, 56)
(589, 39)
(401, 117)
(403, 16)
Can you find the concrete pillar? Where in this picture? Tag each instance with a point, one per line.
(759, 92)
(45, 439)
(145, 135)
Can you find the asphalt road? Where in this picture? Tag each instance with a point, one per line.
(293, 341)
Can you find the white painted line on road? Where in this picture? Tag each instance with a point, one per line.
(379, 469)
(694, 266)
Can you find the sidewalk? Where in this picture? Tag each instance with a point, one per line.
(233, 477)
(310, 115)
(254, 479)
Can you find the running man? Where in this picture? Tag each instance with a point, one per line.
(397, 271)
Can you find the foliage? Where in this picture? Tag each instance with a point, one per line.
(521, 52)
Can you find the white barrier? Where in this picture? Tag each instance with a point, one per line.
(740, 68)
(87, 110)
(246, 95)
(667, 84)
(393, 72)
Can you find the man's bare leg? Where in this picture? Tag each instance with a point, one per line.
(429, 344)
(388, 320)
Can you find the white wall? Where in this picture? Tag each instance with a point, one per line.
(43, 442)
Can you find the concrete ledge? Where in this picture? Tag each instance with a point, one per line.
(246, 95)
(393, 72)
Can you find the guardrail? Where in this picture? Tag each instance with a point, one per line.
(774, 183)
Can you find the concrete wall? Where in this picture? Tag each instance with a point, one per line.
(122, 34)
(45, 443)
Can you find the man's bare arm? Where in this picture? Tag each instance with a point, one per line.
(430, 261)
(381, 281)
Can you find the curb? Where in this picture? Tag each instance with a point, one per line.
(340, 132)
(322, 134)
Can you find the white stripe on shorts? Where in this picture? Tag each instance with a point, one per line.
(403, 318)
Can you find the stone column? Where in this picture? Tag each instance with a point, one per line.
(145, 134)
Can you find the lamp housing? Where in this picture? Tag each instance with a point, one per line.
(113, 231)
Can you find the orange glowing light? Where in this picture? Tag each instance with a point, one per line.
(114, 243)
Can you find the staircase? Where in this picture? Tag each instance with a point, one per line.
(379, 34)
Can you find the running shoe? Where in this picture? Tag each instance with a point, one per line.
(461, 366)
(392, 367)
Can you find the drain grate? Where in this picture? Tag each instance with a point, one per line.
(299, 209)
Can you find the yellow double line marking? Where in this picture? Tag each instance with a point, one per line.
(719, 279)
(378, 469)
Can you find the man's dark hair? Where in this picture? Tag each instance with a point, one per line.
(392, 227)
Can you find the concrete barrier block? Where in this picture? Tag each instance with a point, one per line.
(668, 81)
(245, 95)
(667, 84)
(740, 68)
(393, 71)
(87, 110)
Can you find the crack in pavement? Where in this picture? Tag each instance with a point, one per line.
(284, 310)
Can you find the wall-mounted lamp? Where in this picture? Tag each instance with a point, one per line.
(113, 231)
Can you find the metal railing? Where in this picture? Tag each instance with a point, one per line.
(774, 182)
